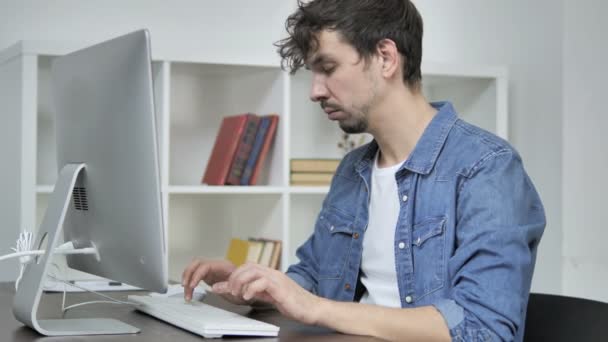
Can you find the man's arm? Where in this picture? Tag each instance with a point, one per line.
(393, 324)
(499, 220)
(253, 281)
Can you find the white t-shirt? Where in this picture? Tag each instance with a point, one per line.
(378, 259)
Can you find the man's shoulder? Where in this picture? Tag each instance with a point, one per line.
(466, 130)
(469, 146)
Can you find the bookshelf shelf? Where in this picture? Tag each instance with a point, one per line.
(192, 95)
(319, 190)
(203, 189)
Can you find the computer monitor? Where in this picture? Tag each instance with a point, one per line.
(108, 193)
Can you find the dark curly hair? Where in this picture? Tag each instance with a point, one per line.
(362, 23)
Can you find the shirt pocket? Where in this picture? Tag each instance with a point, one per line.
(336, 230)
(428, 252)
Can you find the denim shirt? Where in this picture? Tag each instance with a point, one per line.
(469, 224)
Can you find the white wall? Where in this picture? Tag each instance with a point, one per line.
(585, 162)
(523, 35)
(218, 30)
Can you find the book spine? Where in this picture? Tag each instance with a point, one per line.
(314, 165)
(311, 177)
(224, 149)
(275, 261)
(255, 151)
(243, 150)
(265, 147)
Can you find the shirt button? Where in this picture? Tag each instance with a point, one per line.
(347, 286)
(356, 236)
(401, 245)
(408, 299)
(332, 228)
(404, 198)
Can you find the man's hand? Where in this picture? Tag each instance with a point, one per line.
(255, 282)
(209, 271)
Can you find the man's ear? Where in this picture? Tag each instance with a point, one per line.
(390, 57)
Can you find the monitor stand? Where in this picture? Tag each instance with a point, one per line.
(27, 298)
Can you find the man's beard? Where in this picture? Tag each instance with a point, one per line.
(354, 125)
(358, 121)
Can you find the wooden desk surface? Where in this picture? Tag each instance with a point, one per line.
(152, 329)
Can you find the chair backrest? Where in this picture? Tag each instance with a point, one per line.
(558, 318)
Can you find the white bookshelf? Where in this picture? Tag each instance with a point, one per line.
(192, 96)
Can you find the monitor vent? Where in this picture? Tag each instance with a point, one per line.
(79, 194)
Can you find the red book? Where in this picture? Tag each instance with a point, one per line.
(243, 150)
(265, 147)
(224, 149)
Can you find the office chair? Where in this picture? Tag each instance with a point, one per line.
(559, 318)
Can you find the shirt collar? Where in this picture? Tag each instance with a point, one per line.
(425, 153)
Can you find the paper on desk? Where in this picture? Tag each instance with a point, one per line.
(92, 285)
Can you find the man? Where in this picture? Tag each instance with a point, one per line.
(427, 233)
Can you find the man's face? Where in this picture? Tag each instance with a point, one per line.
(345, 85)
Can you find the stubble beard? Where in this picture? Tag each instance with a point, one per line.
(355, 124)
(358, 121)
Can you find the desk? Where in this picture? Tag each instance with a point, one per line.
(152, 330)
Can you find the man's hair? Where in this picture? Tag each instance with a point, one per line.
(362, 23)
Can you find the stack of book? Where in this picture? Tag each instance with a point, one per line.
(240, 149)
(312, 172)
(265, 252)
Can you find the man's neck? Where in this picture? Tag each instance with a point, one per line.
(398, 125)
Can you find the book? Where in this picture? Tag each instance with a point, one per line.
(224, 149)
(237, 251)
(255, 151)
(255, 251)
(275, 260)
(307, 183)
(266, 254)
(271, 252)
(243, 150)
(262, 151)
(313, 177)
(314, 165)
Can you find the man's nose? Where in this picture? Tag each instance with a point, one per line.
(318, 89)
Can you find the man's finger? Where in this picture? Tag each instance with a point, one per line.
(220, 287)
(255, 287)
(196, 277)
(242, 278)
(241, 269)
(187, 274)
(199, 274)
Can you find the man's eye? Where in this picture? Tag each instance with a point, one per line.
(329, 69)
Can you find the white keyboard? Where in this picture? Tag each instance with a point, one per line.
(200, 318)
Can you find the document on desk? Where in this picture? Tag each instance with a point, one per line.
(90, 285)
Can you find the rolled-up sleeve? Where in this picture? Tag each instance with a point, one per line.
(500, 220)
(305, 272)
